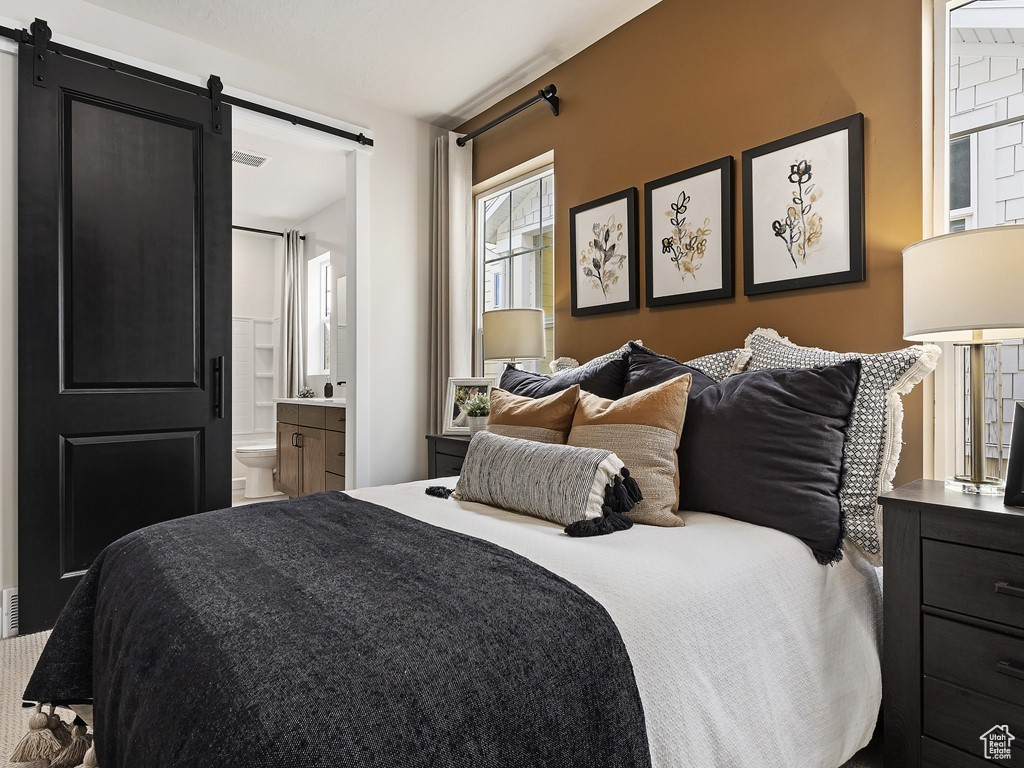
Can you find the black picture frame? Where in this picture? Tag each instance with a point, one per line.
(769, 243)
(1013, 496)
(659, 231)
(583, 220)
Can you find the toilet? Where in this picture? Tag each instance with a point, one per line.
(259, 461)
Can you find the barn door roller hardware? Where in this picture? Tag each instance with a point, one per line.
(37, 42)
(215, 86)
(41, 35)
(546, 95)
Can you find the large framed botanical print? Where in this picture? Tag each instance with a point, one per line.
(605, 263)
(803, 209)
(689, 245)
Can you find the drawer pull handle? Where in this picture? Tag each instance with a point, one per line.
(341, 453)
(1005, 588)
(1009, 668)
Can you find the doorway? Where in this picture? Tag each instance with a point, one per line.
(284, 178)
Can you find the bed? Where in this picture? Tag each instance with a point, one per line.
(392, 626)
(745, 650)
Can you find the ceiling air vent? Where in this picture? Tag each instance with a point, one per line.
(248, 158)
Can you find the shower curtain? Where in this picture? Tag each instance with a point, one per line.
(292, 362)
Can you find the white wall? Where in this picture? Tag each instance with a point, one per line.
(394, 286)
(252, 275)
(8, 322)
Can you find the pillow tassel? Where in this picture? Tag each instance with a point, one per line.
(439, 491)
(631, 487)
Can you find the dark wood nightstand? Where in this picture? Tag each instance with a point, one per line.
(953, 659)
(445, 454)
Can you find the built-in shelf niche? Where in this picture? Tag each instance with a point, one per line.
(254, 378)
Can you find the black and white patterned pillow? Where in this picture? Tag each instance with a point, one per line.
(875, 431)
(722, 365)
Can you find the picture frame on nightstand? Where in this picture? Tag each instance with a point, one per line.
(1014, 494)
(459, 390)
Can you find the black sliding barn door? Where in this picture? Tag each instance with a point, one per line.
(124, 215)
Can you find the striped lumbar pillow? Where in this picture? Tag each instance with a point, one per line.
(544, 419)
(559, 483)
(643, 430)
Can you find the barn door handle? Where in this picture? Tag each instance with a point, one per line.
(1005, 588)
(218, 387)
(1010, 669)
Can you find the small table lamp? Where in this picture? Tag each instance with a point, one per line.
(966, 287)
(511, 334)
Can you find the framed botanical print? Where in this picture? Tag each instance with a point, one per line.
(689, 249)
(605, 262)
(803, 209)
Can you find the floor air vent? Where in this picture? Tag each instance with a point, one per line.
(248, 158)
(9, 628)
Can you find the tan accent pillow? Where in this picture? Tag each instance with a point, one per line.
(643, 430)
(543, 420)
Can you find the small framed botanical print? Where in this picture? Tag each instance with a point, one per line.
(689, 250)
(605, 262)
(803, 209)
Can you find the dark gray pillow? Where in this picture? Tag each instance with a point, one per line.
(646, 368)
(604, 379)
(767, 447)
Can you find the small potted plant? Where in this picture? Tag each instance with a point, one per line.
(477, 409)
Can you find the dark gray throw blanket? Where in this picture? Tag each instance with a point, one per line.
(329, 632)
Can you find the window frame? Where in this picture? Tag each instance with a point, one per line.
(318, 334)
(482, 193)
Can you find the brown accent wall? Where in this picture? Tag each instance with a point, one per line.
(688, 82)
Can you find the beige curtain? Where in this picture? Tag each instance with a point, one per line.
(451, 270)
(292, 358)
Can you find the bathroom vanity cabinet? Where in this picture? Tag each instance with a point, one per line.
(310, 449)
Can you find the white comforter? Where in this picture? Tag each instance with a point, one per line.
(746, 651)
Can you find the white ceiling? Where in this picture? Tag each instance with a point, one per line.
(305, 173)
(438, 60)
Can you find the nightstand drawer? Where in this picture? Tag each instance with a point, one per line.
(448, 465)
(988, 662)
(960, 718)
(973, 581)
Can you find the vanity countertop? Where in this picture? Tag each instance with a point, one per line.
(337, 402)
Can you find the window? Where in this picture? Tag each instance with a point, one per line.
(515, 249)
(980, 130)
(318, 310)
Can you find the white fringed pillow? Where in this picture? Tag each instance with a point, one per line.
(875, 431)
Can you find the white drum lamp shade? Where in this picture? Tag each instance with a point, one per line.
(511, 334)
(966, 286)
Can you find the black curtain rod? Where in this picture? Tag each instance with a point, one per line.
(263, 231)
(546, 95)
(24, 36)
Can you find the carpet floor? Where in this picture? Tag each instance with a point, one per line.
(19, 654)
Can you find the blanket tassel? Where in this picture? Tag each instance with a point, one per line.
(39, 743)
(59, 727)
(74, 753)
(89, 761)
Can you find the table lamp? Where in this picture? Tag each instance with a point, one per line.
(514, 334)
(966, 287)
